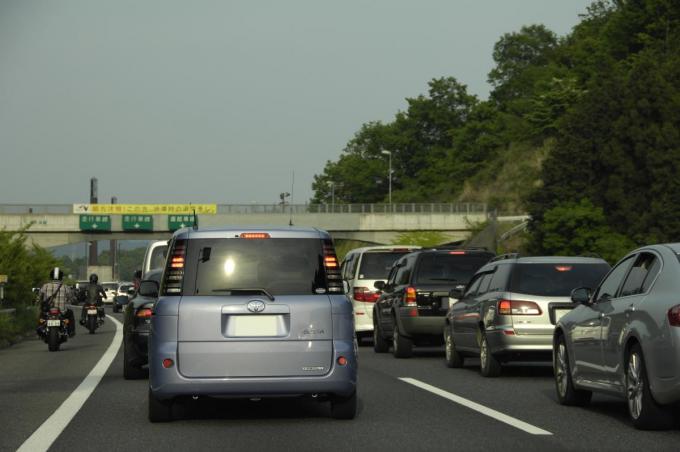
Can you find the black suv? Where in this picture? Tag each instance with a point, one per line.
(413, 304)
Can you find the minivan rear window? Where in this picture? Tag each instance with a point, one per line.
(377, 265)
(446, 268)
(281, 266)
(557, 280)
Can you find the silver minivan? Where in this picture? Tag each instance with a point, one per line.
(252, 312)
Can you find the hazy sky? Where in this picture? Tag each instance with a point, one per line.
(219, 101)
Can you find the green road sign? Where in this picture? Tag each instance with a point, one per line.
(176, 222)
(137, 223)
(95, 223)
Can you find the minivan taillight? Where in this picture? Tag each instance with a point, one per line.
(518, 307)
(174, 273)
(674, 315)
(330, 263)
(365, 294)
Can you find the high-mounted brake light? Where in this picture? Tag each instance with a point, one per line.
(518, 307)
(563, 268)
(457, 252)
(255, 235)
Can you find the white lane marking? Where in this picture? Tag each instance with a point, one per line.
(477, 407)
(47, 433)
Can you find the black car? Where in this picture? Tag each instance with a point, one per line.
(413, 304)
(136, 327)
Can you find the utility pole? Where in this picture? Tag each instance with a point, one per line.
(92, 259)
(332, 185)
(389, 154)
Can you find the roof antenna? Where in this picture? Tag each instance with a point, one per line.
(292, 199)
(195, 225)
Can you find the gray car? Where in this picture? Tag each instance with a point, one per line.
(252, 312)
(624, 338)
(508, 310)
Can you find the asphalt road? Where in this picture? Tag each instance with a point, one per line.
(393, 414)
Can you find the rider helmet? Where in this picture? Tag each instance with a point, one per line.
(56, 274)
(94, 278)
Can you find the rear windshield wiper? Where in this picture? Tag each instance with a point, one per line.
(239, 290)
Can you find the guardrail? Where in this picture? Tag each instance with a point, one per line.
(453, 208)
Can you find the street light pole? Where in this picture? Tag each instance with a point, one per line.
(389, 154)
(332, 185)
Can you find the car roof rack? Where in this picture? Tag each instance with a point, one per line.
(501, 257)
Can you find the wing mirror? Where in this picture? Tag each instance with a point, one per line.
(380, 285)
(581, 295)
(457, 292)
(148, 288)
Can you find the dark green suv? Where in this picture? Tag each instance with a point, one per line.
(413, 303)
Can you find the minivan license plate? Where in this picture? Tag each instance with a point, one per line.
(254, 325)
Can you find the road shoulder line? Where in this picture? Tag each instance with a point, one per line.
(49, 431)
(511, 421)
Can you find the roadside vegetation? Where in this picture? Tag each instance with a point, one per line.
(581, 131)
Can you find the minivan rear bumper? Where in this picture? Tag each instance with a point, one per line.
(169, 383)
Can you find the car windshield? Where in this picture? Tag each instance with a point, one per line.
(557, 280)
(277, 266)
(447, 268)
(377, 265)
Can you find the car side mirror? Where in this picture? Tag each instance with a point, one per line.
(457, 292)
(581, 295)
(380, 285)
(148, 288)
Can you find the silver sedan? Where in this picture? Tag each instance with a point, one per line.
(624, 338)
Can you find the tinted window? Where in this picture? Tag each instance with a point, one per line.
(500, 278)
(377, 265)
(347, 266)
(440, 268)
(643, 271)
(472, 289)
(280, 266)
(613, 281)
(484, 283)
(404, 273)
(556, 280)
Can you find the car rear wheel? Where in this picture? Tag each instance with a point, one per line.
(130, 370)
(402, 347)
(344, 407)
(453, 358)
(643, 410)
(567, 394)
(380, 344)
(159, 410)
(489, 365)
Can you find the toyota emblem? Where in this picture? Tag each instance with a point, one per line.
(256, 306)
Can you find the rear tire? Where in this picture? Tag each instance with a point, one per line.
(159, 410)
(567, 394)
(489, 366)
(344, 407)
(53, 340)
(643, 410)
(91, 323)
(453, 358)
(402, 347)
(380, 344)
(130, 371)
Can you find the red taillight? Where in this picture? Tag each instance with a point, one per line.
(330, 263)
(168, 363)
(255, 235)
(365, 295)
(410, 298)
(674, 315)
(174, 274)
(144, 313)
(342, 361)
(54, 311)
(177, 262)
(518, 307)
(457, 252)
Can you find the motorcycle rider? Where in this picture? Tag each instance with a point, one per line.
(94, 292)
(56, 294)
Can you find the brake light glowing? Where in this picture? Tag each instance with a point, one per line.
(563, 268)
(410, 298)
(674, 315)
(255, 235)
(174, 273)
(144, 313)
(365, 295)
(177, 262)
(457, 252)
(518, 307)
(330, 261)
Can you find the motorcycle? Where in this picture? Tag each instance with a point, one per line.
(53, 329)
(92, 319)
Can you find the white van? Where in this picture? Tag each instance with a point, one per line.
(361, 268)
(154, 257)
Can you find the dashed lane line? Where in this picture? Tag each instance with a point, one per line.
(521, 425)
(49, 431)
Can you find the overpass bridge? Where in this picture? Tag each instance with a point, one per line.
(51, 225)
